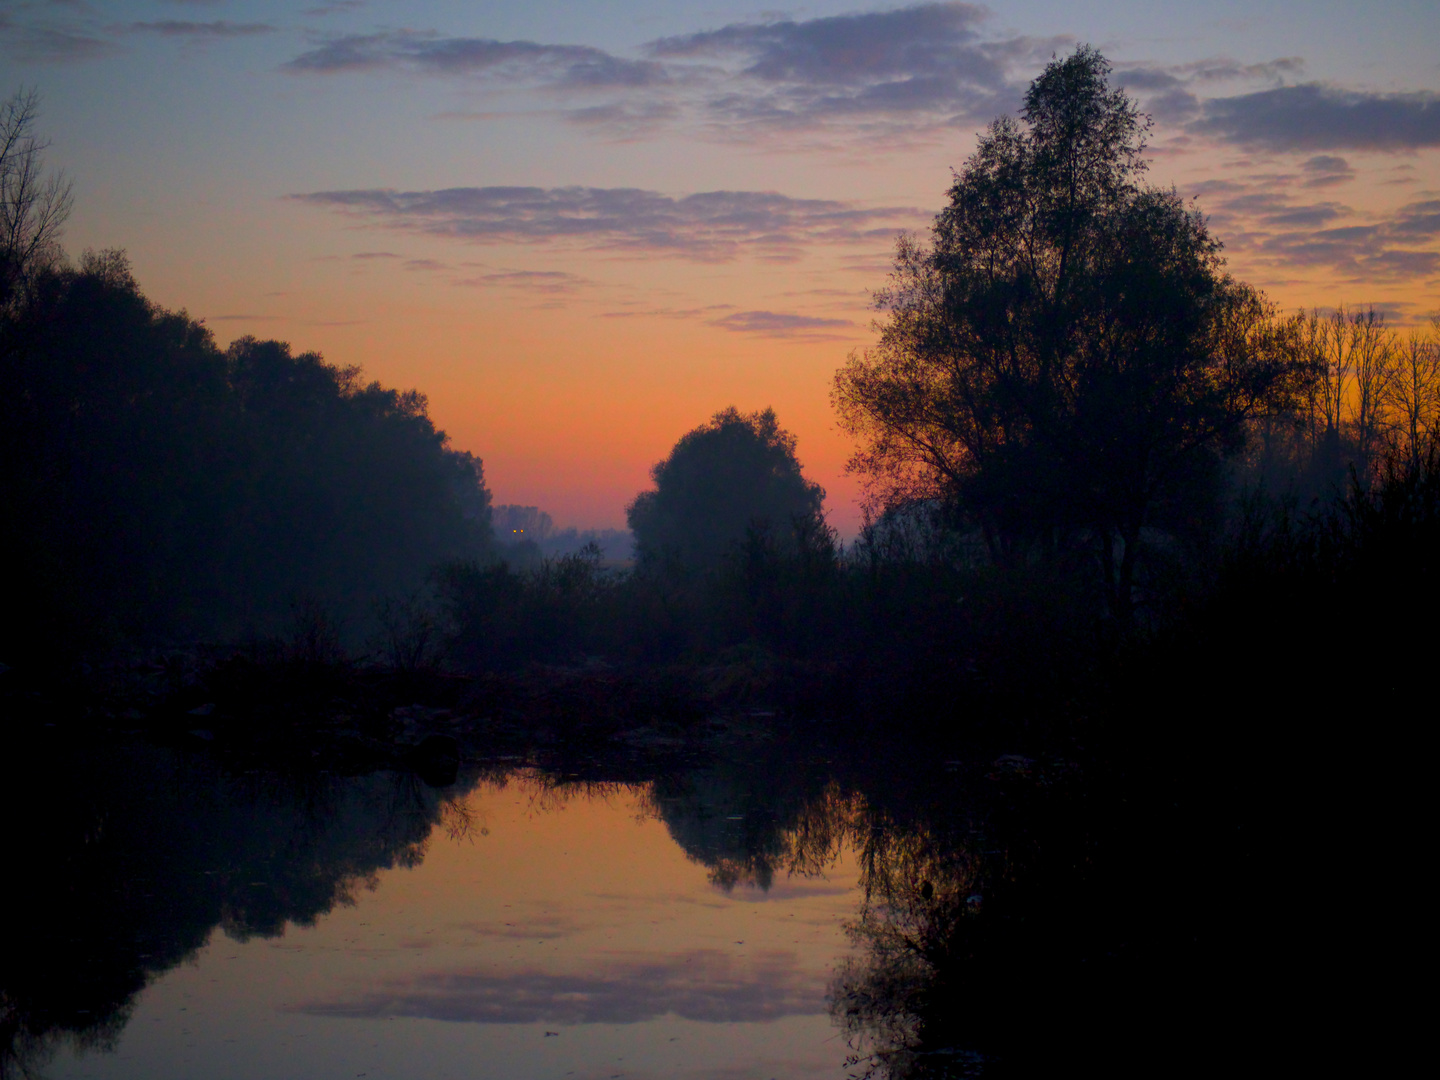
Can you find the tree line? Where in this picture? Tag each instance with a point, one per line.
(156, 487)
(1070, 419)
(1373, 396)
(1074, 425)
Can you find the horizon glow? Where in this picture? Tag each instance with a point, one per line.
(582, 229)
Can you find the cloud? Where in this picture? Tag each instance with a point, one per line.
(542, 282)
(1402, 174)
(1224, 69)
(1419, 219)
(1170, 92)
(57, 35)
(1143, 77)
(929, 58)
(780, 324)
(707, 226)
(565, 66)
(1270, 231)
(1326, 170)
(667, 313)
(185, 28)
(51, 42)
(1359, 253)
(1310, 215)
(1318, 116)
(703, 985)
(848, 50)
(334, 7)
(927, 65)
(546, 282)
(626, 118)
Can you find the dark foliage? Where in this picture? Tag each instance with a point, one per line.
(1066, 363)
(1223, 869)
(736, 473)
(500, 618)
(155, 486)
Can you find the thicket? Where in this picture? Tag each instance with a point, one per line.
(155, 487)
(915, 613)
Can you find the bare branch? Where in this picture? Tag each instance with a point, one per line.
(34, 204)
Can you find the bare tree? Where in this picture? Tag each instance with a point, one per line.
(1372, 355)
(1331, 338)
(1412, 394)
(33, 203)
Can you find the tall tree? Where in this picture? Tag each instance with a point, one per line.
(1066, 363)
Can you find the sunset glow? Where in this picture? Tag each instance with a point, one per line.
(583, 228)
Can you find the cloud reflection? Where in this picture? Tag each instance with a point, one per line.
(704, 985)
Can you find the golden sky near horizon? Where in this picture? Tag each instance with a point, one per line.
(581, 229)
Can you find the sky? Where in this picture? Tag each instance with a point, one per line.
(582, 227)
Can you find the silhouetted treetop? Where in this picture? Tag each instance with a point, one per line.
(736, 472)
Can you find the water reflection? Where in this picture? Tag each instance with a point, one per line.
(903, 999)
(1019, 919)
(700, 984)
(562, 923)
(748, 825)
(152, 850)
(126, 874)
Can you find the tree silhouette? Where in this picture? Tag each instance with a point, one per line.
(33, 203)
(1066, 364)
(736, 473)
(153, 485)
(1413, 391)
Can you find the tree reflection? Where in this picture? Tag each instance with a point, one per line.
(897, 1000)
(776, 810)
(152, 850)
(1057, 922)
(129, 874)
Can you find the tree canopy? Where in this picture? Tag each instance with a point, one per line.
(155, 485)
(735, 473)
(1066, 363)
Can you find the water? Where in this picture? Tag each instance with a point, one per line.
(517, 925)
(743, 905)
